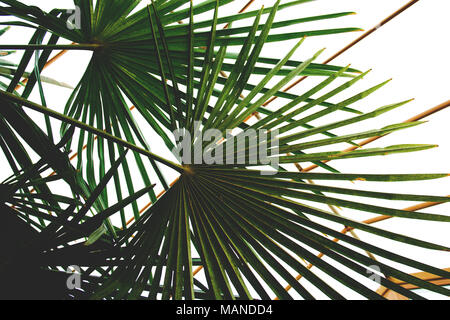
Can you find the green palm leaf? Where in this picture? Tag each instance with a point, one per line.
(250, 228)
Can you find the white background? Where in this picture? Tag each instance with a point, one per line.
(413, 49)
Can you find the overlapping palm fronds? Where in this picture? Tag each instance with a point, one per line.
(247, 225)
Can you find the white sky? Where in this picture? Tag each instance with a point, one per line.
(413, 50)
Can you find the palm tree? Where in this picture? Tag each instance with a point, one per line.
(249, 228)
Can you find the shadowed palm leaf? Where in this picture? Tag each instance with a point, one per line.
(245, 223)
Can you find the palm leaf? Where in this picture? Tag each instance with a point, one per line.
(249, 229)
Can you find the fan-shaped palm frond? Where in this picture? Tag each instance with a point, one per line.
(124, 61)
(249, 226)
